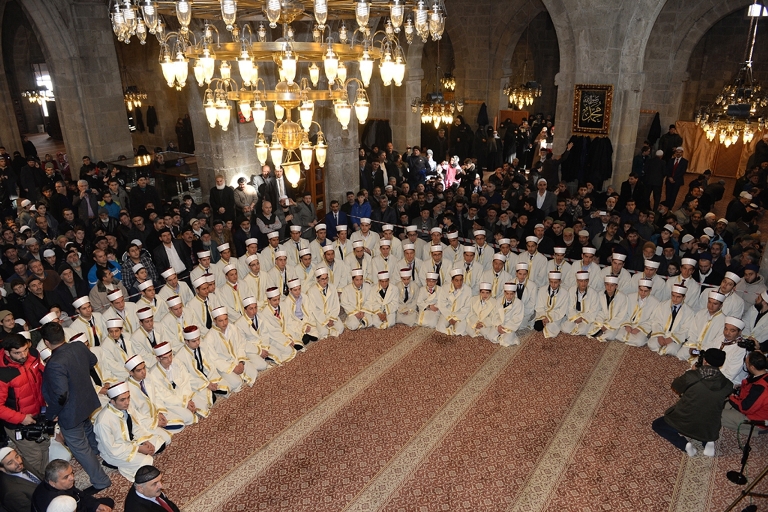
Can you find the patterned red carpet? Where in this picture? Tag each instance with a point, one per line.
(408, 419)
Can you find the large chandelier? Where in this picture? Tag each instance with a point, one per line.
(738, 111)
(437, 107)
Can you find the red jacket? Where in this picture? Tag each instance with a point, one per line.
(752, 400)
(20, 389)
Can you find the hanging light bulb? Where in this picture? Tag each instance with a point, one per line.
(279, 111)
(386, 68)
(398, 68)
(409, 30)
(262, 149)
(276, 151)
(361, 106)
(184, 14)
(129, 15)
(306, 152)
(341, 73)
(343, 33)
(223, 110)
(229, 13)
(321, 13)
(331, 64)
(160, 29)
(226, 70)
(167, 66)
(210, 108)
(141, 31)
(245, 109)
(273, 12)
(321, 149)
(421, 20)
(362, 13)
(259, 113)
(396, 11)
(118, 21)
(366, 68)
(289, 66)
(262, 32)
(292, 172)
(149, 10)
(306, 111)
(343, 113)
(181, 69)
(314, 74)
(436, 22)
(207, 62)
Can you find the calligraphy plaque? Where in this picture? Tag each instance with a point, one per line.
(592, 109)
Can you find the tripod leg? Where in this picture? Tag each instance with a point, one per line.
(749, 488)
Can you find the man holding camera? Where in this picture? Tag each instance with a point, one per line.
(21, 399)
(750, 403)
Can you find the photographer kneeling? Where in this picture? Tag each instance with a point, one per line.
(750, 403)
(21, 400)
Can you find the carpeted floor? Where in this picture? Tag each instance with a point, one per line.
(408, 419)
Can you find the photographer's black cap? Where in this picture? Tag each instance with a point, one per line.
(146, 473)
(714, 357)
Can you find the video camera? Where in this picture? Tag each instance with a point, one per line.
(39, 431)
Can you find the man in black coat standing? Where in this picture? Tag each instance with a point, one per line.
(146, 494)
(222, 200)
(143, 195)
(69, 393)
(654, 176)
(676, 167)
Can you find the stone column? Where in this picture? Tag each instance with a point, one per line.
(341, 166)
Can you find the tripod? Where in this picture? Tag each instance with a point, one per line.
(739, 478)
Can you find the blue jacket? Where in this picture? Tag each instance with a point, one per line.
(360, 211)
(117, 271)
(330, 224)
(67, 386)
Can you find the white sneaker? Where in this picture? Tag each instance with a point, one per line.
(709, 449)
(690, 450)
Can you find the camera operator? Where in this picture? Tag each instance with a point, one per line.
(21, 398)
(750, 402)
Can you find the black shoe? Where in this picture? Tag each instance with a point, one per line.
(107, 465)
(90, 491)
(298, 346)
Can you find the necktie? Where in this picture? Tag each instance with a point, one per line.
(341, 253)
(578, 301)
(285, 284)
(255, 324)
(32, 478)
(405, 298)
(683, 282)
(234, 286)
(325, 292)
(675, 309)
(480, 251)
(95, 335)
(608, 299)
(520, 290)
(467, 265)
(277, 312)
(208, 321)
(151, 338)
(163, 504)
(121, 343)
(143, 389)
(199, 360)
(336, 218)
(382, 293)
(129, 421)
(507, 303)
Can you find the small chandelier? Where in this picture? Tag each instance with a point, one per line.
(434, 109)
(523, 95)
(739, 110)
(448, 82)
(38, 97)
(133, 97)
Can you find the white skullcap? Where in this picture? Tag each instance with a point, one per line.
(435, 276)
(77, 303)
(709, 232)
(559, 250)
(499, 256)
(409, 247)
(436, 230)
(296, 229)
(133, 362)
(521, 266)
(252, 257)
(687, 238)
(48, 253)
(24, 228)
(688, 261)
(387, 227)
(204, 254)
(764, 295)
(50, 317)
(382, 275)
(341, 227)
(191, 332)
(247, 301)
(651, 264)
(457, 272)
(200, 281)
(469, 248)
(669, 227)
(145, 313)
(117, 389)
(114, 294)
(272, 292)
(221, 310)
(648, 283)
(386, 243)
(733, 277)
(746, 195)
(26, 334)
(25, 203)
(486, 286)
(479, 232)
(162, 348)
(618, 256)
(588, 250)
(146, 284)
(436, 248)
(168, 273)
(228, 268)
(602, 213)
(322, 271)
(209, 278)
(411, 229)
(405, 272)
(318, 227)
(583, 232)
(114, 323)
(555, 275)
(611, 280)
(452, 235)
(532, 239)
(357, 272)
(222, 247)
(173, 300)
(62, 503)
(281, 254)
(327, 248)
(44, 355)
(723, 220)
(737, 323)
(714, 294)
(274, 234)
(365, 220)
(582, 275)
(304, 252)
(509, 287)
(504, 241)
(678, 288)
(137, 267)
(251, 241)
(541, 179)
(659, 153)
(293, 283)
(358, 243)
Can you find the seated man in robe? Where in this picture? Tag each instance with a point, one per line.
(669, 325)
(429, 312)
(641, 307)
(407, 311)
(452, 302)
(172, 378)
(226, 342)
(583, 306)
(511, 315)
(275, 347)
(123, 442)
(706, 330)
(496, 275)
(612, 311)
(297, 319)
(551, 307)
(204, 378)
(146, 402)
(323, 306)
(383, 302)
(483, 316)
(352, 299)
(274, 323)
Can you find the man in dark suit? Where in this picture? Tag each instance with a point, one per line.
(69, 393)
(17, 482)
(676, 167)
(543, 199)
(335, 218)
(59, 480)
(146, 494)
(164, 253)
(634, 189)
